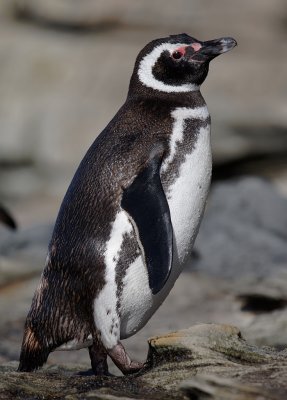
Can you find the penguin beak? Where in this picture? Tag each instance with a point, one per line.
(218, 46)
(206, 51)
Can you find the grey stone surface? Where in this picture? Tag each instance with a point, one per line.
(204, 361)
(22, 253)
(218, 388)
(244, 230)
(25, 240)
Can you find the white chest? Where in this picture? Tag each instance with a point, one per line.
(187, 195)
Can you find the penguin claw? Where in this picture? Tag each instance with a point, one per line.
(134, 367)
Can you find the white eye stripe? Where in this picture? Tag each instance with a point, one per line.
(147, 78)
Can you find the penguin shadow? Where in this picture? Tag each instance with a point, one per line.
(90, 373)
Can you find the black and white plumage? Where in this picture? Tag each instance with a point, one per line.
(129, 219)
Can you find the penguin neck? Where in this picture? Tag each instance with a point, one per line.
(190, 99)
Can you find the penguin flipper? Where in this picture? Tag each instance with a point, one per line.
(145, 201)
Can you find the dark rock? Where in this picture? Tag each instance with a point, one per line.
(6, 218)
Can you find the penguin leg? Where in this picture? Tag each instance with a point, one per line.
(121, 359)
(98, 356)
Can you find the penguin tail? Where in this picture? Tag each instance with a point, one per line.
(34, 352)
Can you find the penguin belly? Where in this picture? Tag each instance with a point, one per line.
(186, 199)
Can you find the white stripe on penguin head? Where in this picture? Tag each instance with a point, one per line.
(146, 76)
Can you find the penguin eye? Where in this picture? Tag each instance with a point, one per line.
(177, 55)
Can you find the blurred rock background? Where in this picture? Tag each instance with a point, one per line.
(64, 71)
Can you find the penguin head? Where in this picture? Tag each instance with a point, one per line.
(176, 64)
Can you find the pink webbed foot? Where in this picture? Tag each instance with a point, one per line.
(122, 360)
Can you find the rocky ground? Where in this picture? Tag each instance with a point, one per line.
(202, 362)
(65, 68)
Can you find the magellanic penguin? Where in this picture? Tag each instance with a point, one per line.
(129, 219)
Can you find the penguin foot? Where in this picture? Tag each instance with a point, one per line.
(121, 359)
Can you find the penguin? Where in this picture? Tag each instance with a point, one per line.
(128, 221)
